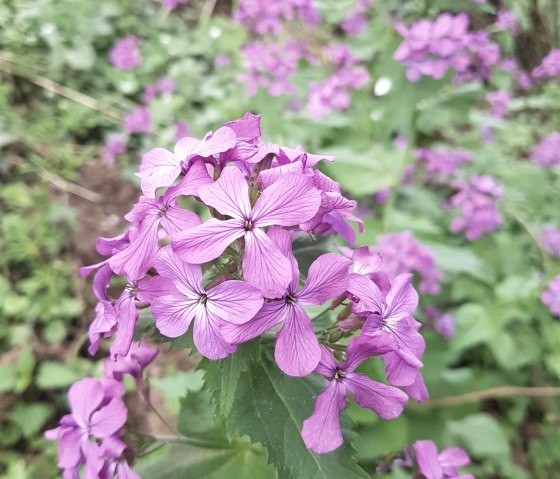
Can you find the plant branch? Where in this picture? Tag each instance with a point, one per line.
(492, 393)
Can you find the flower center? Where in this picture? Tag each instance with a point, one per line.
(290, 299)
(339, 375)
(203, 299)
(248, 225)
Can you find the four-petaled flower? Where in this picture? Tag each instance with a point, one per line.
(443, 465)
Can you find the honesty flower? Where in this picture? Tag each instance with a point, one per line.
(97, 413)
(551, 296)
(550, 66)
(442, 163)
(550, 239)
(148, 215)
(125, 54)
(547, 152)
(290, 201)
(443, 465)
(160, 167)
(321, 431)
(231, 301)
(297, 348)
(138, 121)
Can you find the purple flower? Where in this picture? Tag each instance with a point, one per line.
(182, 129)
(507, 21)
(165, 85)
(221, 60)
(138, 121)
(97, 414)
(443, 465)
(389, 313)
(148, 215)
(290, 201)
(125, 54)
(499, 101)
(403, 253)
(551, 296)
(173, 4)
(550, 239)
(443, 323)
(477, 199)
(321, 431)
(356, 20)
(139, 356)
(547, 152)
(382, 196)
(229, 302)
(550, 66)
(160, 167)
(114, 146)
(297, 348)
(442, 163)
(150, 93)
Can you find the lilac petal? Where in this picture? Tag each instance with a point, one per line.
(454, 457)
(399, 372)
(418, 390)
(105, 323)
(208, 338)
(327, 364)
(363, 347)
(107, 246)
(327, 279)
(402, 298)
(264, 266)
(127, 317)
(229, 194)
(247, 127)
(297, 350)
(283, 241)
(101, 282)
(151, 288)
(159, 167)
(234, 301)
(321, 431)
(174, 314)
(109, 419)
(125, 472)
(366, 260)
(140, 210)
(272, 175)
(371, 298)
(221, 140)
(196, 178)
(411, 342)
(137, 259)
(207, 241)
(176, 220)
(386, 401)
(291, 200)
(84, 397)
(186, 277)
(427, 459)
(69, 450)
(93, 460)
(85, 271)
(269, 316)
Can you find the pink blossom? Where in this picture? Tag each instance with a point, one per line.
(443, 465)
(138, 121)
(550, 66)
(551, 296)
(550, 239)
(547, 152)
(125, 54)
(114, 146)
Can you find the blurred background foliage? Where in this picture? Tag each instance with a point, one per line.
(60, 99)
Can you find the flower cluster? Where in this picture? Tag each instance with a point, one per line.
(403, 253)
(547, 152)
(164, 85)
(506, 20)
(234, 276)
(91, 436)
(550, 66)
(356, 19)
(125, 54)
(499, 101)
(443, 465)
(138, 121)
(551, 296)
(334, 93)
(477, 199)
(442, 163)
(263, 16)
(430, 48)
(550, 240)
(443, 323)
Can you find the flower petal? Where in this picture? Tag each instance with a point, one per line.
(363, 347)
(269, 316)
(290, 201)
(264, 266)
(327, 364)
(402, 298)
(207, 241)
(109, 419)
(363, 288)
(208, 338)
(386, 401)
(418, 390)
(177, 219)
(152, 287)
(398, 371)
(186, 277)
(69, 448)
(454, 457)
(229, 194)
(197, 176)
(234, 301)
(297, 350)
(173, 314)
(427, 459)
(219, 141)
(159, 167)
(327, 279)
(321, 431)
(127, 315)
(84, 397)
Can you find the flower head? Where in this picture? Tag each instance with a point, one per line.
(125, 54)
(551, 296)
(443, 465)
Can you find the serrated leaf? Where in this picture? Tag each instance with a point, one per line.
(270, 408)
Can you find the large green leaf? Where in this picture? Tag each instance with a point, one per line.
(270, 408)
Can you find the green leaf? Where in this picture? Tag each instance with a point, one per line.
(197, 417)
(270, 408)
(31, 417)
(454, 259)
(481, 434)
